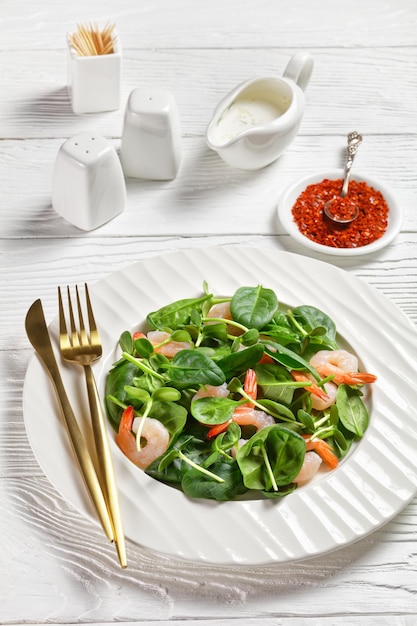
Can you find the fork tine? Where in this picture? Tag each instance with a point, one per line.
(94, 334)
(83, 334)
(75, 340)
(63, 332)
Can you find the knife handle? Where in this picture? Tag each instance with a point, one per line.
(105, 463)
(82, 455)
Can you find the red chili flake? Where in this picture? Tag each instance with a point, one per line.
(371, 223)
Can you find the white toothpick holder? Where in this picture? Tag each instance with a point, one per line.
(151, 137)
(88, 186)
(94, 81)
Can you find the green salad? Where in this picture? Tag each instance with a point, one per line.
(226, 396)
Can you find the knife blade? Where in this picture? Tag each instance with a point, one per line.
(38, 336)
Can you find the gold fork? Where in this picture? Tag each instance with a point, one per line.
(84, 348)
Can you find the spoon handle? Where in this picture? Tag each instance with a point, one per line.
(354, 141)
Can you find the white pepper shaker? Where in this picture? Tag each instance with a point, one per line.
(88, 186)
(151, 138)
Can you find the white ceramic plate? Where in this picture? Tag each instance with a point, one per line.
(369, 487)
(291, 193)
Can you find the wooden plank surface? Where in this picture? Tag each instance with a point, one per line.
(54, 566)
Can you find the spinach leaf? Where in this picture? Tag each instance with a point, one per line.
(191, 367)
(170, 467)
(172, 415)
(277, 410)
(119, 377)
(176, 314)
(287, 357)
(213, 410)
(276, 382)
(271, 458)
(281, 330)
(352, 412)
(281, 491)
(254, 307)
(318, 325)
(239, 362)
(198, 485)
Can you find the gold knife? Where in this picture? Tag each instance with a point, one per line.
(38, 335)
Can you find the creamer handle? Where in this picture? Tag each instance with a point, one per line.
(299, 69)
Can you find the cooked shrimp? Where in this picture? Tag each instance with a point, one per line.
(245, 414)
(312, 387)
(309, 468)
(323, 449)
(317, 450)
(320, 404)
(221, 310)
(163, 345)
(321, 397)
(211, 391)
(248, 417)
(155, 433)
(342, 365)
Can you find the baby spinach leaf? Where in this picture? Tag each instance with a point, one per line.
(191, 367)
(215, 331)
(281, 330)
(213, 410)
(172, 415)
(276, 382)
(281, 492)
(277, 410)
(273, 449)
(239, 362)
(290, 359)
(225, 441)
(352, 412)
(198, 485)
(119, 376)
(176, 314)
(317, 324)
(254, 307)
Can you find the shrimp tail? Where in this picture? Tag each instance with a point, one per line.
(243, 412)
(311, 387)
(250, 384)
(217, 429)
(126, 421)
(358, 378)
(323, 449)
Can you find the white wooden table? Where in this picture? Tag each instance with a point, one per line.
(54, 565)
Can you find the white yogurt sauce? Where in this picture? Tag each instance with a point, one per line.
(243, 114)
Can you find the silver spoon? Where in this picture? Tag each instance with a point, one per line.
(331, 207)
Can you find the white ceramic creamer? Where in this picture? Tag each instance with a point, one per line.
(253, 125)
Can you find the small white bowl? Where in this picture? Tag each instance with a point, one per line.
(291, 193)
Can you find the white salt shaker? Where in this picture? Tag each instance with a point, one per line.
(151, 138)
(88, 186)
(94, 81)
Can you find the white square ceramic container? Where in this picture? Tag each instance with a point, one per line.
(88, 186)
(151, 139)
(94, 81)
